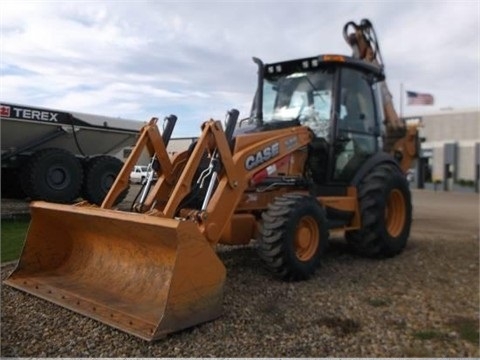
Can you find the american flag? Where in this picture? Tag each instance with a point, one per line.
(415, 98)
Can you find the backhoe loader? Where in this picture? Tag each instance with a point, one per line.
(310, 159)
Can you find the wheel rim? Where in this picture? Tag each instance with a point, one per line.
(107, 181)
(395, 213)
(306, 238)
(58, 177)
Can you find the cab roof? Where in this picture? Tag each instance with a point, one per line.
(311, 63)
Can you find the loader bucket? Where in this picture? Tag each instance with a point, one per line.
(145, 275)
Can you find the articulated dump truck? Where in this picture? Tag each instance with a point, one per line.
(310, 159)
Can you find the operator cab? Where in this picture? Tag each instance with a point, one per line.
(333, 95)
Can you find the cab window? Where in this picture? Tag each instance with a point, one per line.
(356, 134)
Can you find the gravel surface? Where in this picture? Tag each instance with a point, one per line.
(422, 303)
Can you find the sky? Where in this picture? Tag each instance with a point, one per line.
(140, 59)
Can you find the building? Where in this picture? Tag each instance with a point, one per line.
(450, 151)
(180, 144)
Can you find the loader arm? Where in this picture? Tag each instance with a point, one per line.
(149, 137)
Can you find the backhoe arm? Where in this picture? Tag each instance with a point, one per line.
(364, 43)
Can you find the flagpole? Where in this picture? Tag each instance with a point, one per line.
(401, 100)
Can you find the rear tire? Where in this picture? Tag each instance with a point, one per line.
(53, 175)
(293, 236)
(100, 174)
(386, 213)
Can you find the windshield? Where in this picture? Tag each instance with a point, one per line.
(304, 96)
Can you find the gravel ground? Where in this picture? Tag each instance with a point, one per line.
(422, 303)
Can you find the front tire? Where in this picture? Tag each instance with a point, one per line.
(386, 213)
(293, 236)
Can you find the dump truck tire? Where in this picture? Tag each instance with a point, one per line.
(386, 213)
(293, 236)
(100, 174)
(53, 175)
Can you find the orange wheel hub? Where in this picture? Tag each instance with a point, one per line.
(395, 213)
(306, 238)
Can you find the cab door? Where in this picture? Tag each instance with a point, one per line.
(357, 130)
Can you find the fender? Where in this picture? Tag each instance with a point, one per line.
(372, 162)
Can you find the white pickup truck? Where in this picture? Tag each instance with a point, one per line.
(140, 174)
